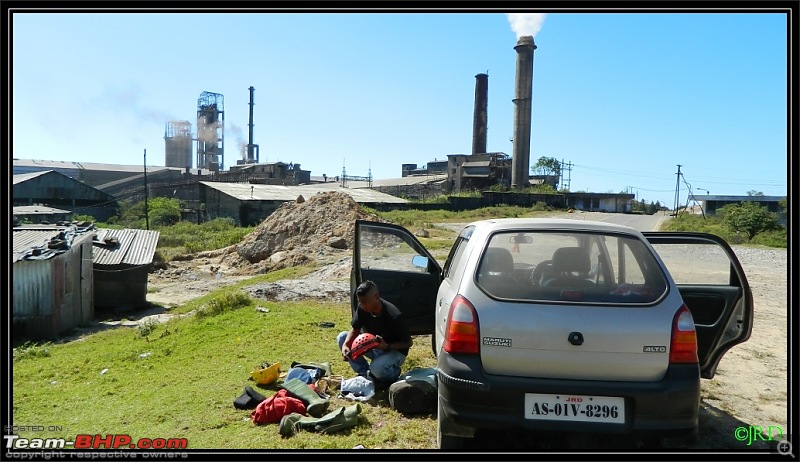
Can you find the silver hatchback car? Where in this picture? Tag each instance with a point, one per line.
(566, 325)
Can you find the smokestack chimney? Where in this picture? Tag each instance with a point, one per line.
(250, 157)
(520, 163)
(480, 118)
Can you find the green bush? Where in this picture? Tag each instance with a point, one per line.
(718, 226)
(31, 350)
(187, 237)
(225, 302)
(749, 217)
(773, 238)
(147, 327)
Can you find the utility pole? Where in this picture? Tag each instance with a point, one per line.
(565, 184)
(677, 190)
(146, 214)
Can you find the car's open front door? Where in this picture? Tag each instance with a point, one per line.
(713, 286)
(407, 275)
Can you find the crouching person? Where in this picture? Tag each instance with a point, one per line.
(383, 320)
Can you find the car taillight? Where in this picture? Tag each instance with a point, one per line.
(683, 347)
(461, 333)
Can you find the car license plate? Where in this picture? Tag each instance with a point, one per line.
(575, 408)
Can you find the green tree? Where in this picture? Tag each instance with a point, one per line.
(749, 218)
(754, 193)
(163, 211)
(540, 189)
(547, 166)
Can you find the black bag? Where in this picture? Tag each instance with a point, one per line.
(249, 399)
(414, 397)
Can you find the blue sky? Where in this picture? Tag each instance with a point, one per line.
(623, 97)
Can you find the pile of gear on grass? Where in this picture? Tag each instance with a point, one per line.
(309, 231)
(305, 390)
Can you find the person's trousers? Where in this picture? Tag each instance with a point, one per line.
(383, 365)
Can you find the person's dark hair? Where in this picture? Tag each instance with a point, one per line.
(365, 287)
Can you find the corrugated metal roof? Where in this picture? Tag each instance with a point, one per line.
(26, 239)
(264, 192)
(86, 165)
(403, 181)
(36, 210)
(135, 247)
(479, 163)
(22, 177)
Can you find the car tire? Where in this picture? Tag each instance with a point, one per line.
(444, 441)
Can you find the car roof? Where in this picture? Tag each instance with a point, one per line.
(497, 224)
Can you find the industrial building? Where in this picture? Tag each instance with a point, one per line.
(54, 189)
(39, 214)
(250, 204)
(178, 144)
(711, 203)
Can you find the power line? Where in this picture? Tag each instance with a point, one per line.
(704, 179)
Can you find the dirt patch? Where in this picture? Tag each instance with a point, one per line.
(314, 232)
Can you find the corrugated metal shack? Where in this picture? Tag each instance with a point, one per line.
(122, 259)
(52, 288)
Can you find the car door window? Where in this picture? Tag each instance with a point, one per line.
(383, 251)
(710, 264)
(456, 253)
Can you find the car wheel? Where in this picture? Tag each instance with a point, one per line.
(445, 441)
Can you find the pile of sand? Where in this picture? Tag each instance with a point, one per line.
(304, 232)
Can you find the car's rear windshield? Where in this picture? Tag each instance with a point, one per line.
(570, 267)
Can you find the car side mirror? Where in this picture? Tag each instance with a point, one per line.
(420, 261)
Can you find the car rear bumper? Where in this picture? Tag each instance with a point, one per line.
(473, 399)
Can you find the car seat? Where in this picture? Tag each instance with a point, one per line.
(571, 267)
(496, 273)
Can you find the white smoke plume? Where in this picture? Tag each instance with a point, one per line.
(526, 23)
(241, 143)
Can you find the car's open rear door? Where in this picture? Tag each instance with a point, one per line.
(713, 286)
(407, 275)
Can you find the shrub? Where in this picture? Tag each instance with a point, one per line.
(147, 327)
(31, 350)
(222, 303)
(749, 217)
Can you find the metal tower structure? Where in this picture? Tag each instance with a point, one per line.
(178, 144)
(210, 131)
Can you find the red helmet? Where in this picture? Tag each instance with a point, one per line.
(362, 344)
